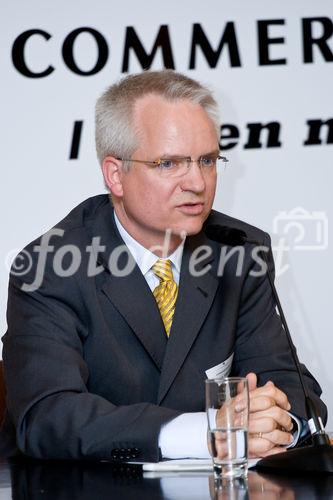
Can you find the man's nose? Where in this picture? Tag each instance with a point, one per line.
(194, 179)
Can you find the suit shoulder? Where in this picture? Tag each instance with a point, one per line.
(82, 214)
(252, 232)
(71, 230)
(78, 218)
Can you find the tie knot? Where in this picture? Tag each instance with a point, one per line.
(163, 270)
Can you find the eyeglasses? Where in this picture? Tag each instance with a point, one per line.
(180, 165)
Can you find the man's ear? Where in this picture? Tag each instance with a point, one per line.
(112, 173)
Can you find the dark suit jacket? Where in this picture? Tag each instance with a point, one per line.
(89, 370)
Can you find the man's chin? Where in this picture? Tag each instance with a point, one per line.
(188, 229)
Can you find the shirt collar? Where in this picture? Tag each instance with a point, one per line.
(144, 258)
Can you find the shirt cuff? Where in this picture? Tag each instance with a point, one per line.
(185, 437)
(297, 430)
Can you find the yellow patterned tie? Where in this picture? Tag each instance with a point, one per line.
(166, 292)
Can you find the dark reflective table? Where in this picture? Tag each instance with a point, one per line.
(22, 478)
(26, 479)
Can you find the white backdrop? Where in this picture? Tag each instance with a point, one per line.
(262, 185)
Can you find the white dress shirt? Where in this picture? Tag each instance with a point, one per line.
(184, 436)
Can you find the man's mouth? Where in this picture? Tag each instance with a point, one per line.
(191, 208)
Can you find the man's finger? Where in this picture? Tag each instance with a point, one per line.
(261, 447)
(274, 396)
(258, 447)
(240, 401)
(261, 403)
(271, 391)
(252, 381)
(280, 417)
(263, 425)
(279, 437)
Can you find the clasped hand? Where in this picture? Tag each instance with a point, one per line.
(270, 425)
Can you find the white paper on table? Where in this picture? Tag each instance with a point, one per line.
(186, 464)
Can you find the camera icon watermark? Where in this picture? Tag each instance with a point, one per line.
(298, 229)
(302, 230)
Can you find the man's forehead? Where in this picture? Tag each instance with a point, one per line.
(149, 103)
(159, 121)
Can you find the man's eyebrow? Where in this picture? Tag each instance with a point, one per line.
(174, 156)
(215, 152)
(167, 156)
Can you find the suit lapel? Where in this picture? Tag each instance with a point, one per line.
(130, 294)
(196, 294)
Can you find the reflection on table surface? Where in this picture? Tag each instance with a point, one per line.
(36, 480)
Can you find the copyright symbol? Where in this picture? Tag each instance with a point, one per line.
(20, 264)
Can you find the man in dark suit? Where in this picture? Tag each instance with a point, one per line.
(128, 306)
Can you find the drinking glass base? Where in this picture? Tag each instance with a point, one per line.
(230, 471)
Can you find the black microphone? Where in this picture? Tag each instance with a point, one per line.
(318, 457)
(226, 235)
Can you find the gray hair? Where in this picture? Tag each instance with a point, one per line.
(115, 134)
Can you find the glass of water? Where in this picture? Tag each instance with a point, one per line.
(227, 407)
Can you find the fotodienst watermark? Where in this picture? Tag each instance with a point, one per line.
(297, 230)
